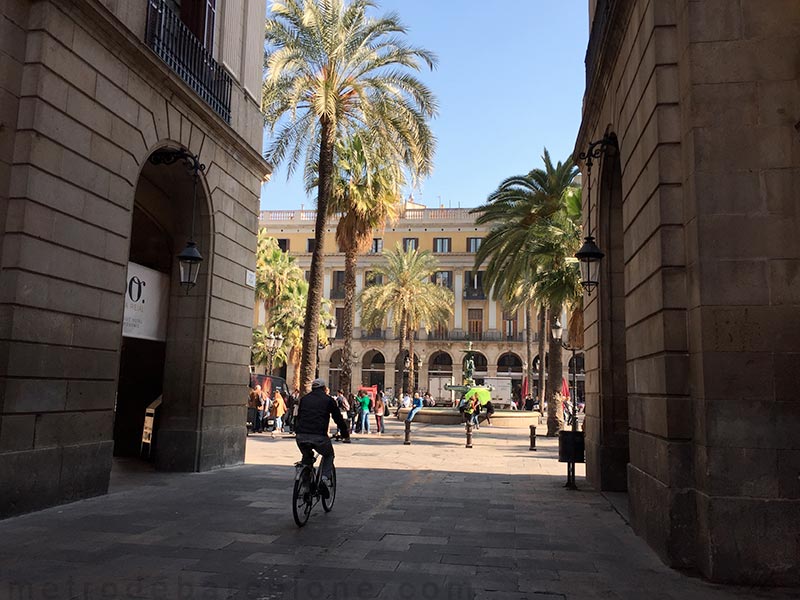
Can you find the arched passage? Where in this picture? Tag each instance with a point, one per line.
(335, 371)
(373, 369)
(509, 363)
(402, 369)
(163, 348)
(607, 405)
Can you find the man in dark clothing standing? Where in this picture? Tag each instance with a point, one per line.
(313, 421)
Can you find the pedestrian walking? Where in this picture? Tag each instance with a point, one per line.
(380, 409)
(278, 410)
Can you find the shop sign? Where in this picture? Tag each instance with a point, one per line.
(146, 303)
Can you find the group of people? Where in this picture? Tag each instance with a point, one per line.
(474, 401)
(357, 408)
(261, 407)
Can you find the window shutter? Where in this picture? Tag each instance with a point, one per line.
(232, 28)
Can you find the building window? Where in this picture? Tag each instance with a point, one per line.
(377, 246)
(372, 278)
(199, 17)
(473, 244)
(410, 244)
(337, 287)
(441, 245)
(473, 285)
(311, 245)
(475, 322)
(307, 275)
(510, 325)
(444, 278)
(283, 244)
(339, 323)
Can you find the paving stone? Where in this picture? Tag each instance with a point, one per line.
(496, 527)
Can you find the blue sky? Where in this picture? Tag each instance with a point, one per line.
(510, 81)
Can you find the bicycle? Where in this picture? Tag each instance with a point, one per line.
(306, 491)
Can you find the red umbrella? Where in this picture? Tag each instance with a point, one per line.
(564, 387)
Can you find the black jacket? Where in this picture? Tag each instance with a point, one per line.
(315, 412)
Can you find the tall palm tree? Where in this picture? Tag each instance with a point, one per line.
(529, 245)
(366, 196)
(332, 69)
(407, 297)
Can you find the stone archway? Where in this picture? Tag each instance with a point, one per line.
(373, 369)
(607, 403)
(335, 370)
(165, 361)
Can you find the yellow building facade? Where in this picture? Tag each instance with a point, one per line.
(498, 338)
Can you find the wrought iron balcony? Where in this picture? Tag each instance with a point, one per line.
(186, 55)
(372, 334)
(474, 294)
(337, 293)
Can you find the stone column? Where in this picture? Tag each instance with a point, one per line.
(459, 299)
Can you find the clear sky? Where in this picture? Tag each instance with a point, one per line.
(510, 82)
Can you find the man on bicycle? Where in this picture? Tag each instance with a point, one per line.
(313, 422)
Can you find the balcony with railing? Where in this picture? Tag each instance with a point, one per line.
(474, 294)
(337, 293)
(416, 215)
(372, 334)
(186, 55)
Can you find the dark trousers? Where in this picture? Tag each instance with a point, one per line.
(308, 442)
(379, 422)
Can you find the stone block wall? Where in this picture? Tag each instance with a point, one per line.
(90, 103)
(703, 98)
(741, 102)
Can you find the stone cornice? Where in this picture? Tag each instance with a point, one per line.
(605, 40)
(137, 55)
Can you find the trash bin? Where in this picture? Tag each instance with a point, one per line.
(571, 447)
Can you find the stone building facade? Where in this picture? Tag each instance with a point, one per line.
(89, 91)
(693, 336)
(453, 237)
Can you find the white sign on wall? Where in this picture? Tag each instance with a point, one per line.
(250, 278)
(146, 302)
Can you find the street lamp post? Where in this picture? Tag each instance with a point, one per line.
(273, 344)
(330, 329)
(557, 332)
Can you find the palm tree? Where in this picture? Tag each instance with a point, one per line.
(407, 297)
(276, 270)
(332, 69)
(366, 196)
(529, 247)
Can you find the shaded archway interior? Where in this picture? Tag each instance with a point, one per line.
(169, 368)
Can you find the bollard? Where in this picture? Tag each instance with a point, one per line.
(407, 440)
(469, 435)
(533, 438)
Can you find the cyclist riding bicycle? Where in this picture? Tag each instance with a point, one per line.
(313, 421)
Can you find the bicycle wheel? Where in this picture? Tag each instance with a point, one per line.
(302, 497)
(327, 503)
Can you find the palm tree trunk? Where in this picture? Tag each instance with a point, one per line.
(542, 362)
(308, 362)
(554, 377)
(529, 346)
(350, 260)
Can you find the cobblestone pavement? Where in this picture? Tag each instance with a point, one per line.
(432, 520)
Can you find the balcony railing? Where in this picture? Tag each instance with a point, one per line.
(372, 334)
(424, 215)
(180, 49)
(499, 336)
(474, 294)
(337, 293)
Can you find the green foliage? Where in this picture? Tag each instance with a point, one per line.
(330, 61)
(407, 295)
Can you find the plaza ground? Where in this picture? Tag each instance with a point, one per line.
(433, 520)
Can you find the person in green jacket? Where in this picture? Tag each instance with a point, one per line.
(365, 402)
(479, 397)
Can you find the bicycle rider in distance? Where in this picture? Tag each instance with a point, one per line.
(313, 421)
